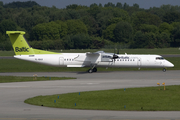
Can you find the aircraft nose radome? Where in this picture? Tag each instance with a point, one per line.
(169, 64)
(172, 65)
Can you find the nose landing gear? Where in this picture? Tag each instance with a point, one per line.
(164, 70)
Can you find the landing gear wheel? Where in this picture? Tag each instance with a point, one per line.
(164, 69)
(94, 69)
(90, 70)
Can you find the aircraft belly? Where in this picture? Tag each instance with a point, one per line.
(117, 64)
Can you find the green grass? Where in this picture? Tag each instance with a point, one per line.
(121, 51)
(6, 53)
(15, 65)
(132, 99)
(7, 79)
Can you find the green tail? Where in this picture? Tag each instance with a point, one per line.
(21, 46)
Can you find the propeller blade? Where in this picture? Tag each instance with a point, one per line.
(114, 55)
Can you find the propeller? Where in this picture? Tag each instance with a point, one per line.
(115, 56)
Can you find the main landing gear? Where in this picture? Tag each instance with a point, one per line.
(93, 69)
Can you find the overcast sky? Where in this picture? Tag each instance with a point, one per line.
(63, 3)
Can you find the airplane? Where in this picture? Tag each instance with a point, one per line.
(93, 60)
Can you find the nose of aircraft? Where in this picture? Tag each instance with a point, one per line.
(168, 64)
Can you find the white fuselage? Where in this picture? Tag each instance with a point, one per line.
(101, 60)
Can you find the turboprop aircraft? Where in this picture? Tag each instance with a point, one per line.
(93, 60)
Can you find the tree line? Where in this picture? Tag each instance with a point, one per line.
(91, 27)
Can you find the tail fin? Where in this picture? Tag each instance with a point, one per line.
(19, 44)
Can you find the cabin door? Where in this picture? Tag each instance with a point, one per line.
(139, 62)
(61, 61)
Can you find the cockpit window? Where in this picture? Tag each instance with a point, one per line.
(159, 58)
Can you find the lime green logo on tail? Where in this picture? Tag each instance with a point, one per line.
(23, 49)
(21, 46)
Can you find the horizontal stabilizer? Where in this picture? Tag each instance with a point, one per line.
(15, 32)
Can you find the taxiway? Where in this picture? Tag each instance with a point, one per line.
(12, 95)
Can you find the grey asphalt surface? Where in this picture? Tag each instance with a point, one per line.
(12, 95)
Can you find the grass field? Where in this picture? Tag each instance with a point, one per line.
(121, 51)
(132, 99)
(7, 79)
(15, 65)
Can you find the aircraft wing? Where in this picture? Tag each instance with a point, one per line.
(95, 57)
(88, 57)
(95, 53)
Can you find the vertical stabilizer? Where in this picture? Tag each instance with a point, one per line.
(19, 44)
